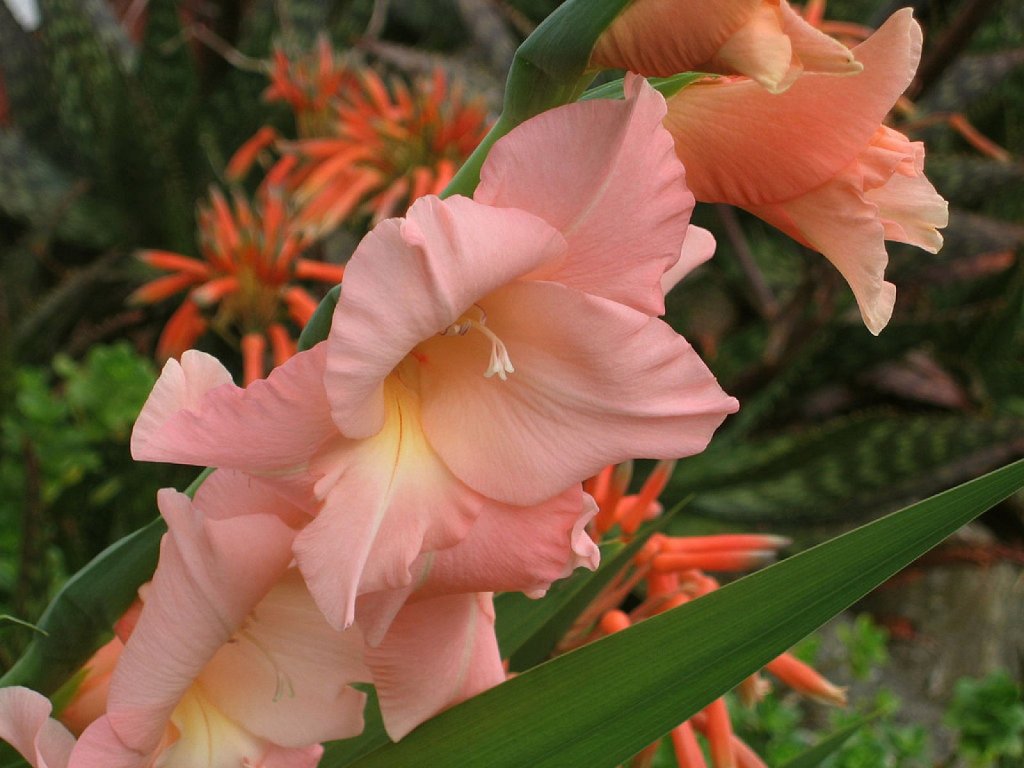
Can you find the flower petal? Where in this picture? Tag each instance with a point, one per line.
(698, 247)
(285, 676)
(662, 37)
(211, 575)
(737, 140)
(438, 261)
(437, 653)
(386, 499)
(595, 383)
(838, 222)
(604, 174)
(911, 211)
(516, 549)
(26, 725)
(194, 415)
(100, 747)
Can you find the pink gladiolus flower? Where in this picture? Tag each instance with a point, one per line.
(766, 40)
(817, 163)
(485, 354)
(230, 661)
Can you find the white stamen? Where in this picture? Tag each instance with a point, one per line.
(500, 363)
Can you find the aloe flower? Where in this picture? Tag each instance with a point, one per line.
(673, 571)
(383, 149)
(484, 354)
(246, 285)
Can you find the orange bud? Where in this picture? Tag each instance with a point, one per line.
(804, 679)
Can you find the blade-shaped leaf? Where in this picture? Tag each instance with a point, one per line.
(828, 746)
(602, 703)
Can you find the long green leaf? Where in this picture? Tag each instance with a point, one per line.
(602, 703)
(828, 746)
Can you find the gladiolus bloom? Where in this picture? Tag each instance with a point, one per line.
(766, 40)
(475, 343)
(816, 162)
(230, 662)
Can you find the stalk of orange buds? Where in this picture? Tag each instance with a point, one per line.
(668, 572)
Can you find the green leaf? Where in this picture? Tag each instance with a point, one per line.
(828, 746)
(666, 86)
(600, 704)
(341, 753)
(319, 324)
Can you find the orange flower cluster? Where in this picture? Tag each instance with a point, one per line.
(377, 151)
(673, 571)
(310, 85)
(244, 284)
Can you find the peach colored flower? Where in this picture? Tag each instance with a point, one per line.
(476, 343)
(765, 40)
(817, 163)
(230, 662)
(89, 701)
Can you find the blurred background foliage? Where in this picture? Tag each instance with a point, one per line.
(117, 115)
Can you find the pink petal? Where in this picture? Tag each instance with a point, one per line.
(698, 247)
(100, 747)
(385, 499)
(603, 173)
(760, 50)
(509, 549)
(744, 146)
(286, 676)
(181, 386)
(210, 576)
(815, 51)
(595, 383)
(911, 211)
(409, 280)
(516, 549)
(280, 757)
(836, 221)
(437, 653)
(662, 37)
(25, 724)
(194, 416)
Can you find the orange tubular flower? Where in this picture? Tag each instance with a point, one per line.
(384, 150)
(243, 286)
(310, 85)
(670, 571)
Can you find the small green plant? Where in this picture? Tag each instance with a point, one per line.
(865, 644)
(988, 715)
(67, 481)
